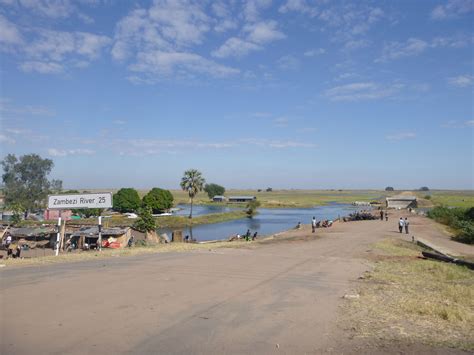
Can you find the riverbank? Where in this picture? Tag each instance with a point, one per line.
(161, 222)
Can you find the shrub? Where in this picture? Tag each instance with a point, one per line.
(389, 188)
(251, 209)
(214, 190)
(158, 200)
(126, 200)
(145, 222)
(460, 219)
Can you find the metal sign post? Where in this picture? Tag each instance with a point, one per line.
(100, 233)
(58, 235)
(84, 200)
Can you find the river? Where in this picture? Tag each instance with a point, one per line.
(268, 220)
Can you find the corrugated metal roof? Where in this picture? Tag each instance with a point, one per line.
(94, 231)
(241, 197)
(31, 231)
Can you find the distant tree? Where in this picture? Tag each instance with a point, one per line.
(269, 189)
(126, 200)
(158, 200)
(251, 208)
(193, 183)
(214, 190)
(145, 221)
(424, 188)
(26, 181)
(18, 210)
(259, 190)
(389, 188)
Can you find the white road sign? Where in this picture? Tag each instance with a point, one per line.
(66, 202)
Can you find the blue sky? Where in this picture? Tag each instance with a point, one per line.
(290, 94)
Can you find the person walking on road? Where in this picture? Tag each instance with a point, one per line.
(406, 223)
(401, 224)
(386, 215)
(381, 215)
(313, 224)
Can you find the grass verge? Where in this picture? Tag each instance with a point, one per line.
(409, 299)
(110, 253)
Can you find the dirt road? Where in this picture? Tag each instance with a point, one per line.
(280, 296)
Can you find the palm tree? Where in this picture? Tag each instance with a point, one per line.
(192, 182)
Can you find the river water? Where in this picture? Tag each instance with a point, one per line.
(268, 220)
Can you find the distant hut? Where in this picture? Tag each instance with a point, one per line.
(111, 237)
(219, 198)
(242, 198)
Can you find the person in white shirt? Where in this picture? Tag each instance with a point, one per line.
(401, 224)
(313, 224)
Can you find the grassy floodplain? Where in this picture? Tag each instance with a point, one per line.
(407, 298)
(307, 198)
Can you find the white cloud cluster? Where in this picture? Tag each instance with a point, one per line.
(67, 152)
(452, 9)
(416, 46)
(461, 80)
(51, 9)
(158, 41)
(314, 52)
(254, 36)
(47, 51)
(401, 136)
(362, 91)
(301, 6)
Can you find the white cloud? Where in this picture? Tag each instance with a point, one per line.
(262, 114)
(416, 46)
(6, 139)
(314, 52)
(235, 47)
(401, 136)
(252, 8)
(361, 91)
(9, 33)
(452, 9)
(263, 32)
(180, 21)
(298, 6)
(351, 20)
(6, 107)
(66, 152)
(458, 124)
(279, 144)
(41, 67)
(281, 122)
(288, 62)
(461, 80)
(356, 44)
(163, 64)
(51, 9)
(396, 50)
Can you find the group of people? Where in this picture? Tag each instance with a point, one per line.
(403, 223)
(247, 236)
(325, 224)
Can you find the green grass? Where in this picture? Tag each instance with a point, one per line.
(293, 198)
(407, 298)
(463, 199)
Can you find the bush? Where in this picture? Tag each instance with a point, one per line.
(214, 190)
(427, 197)
(145, 222)
(389, 188)
(158, 200)
(424, 188)
(460, 219)
(126, 200)
(251, 209)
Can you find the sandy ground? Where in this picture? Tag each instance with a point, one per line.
(280, 296)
